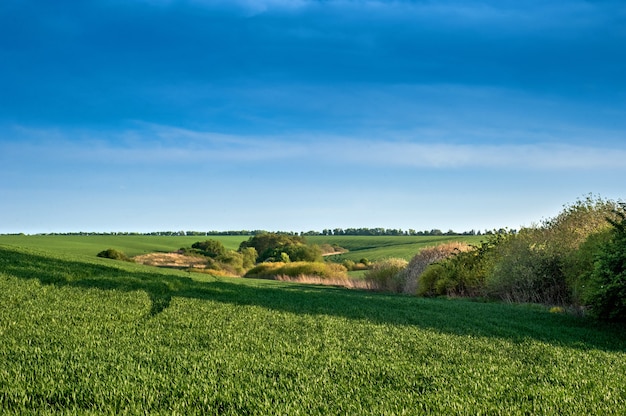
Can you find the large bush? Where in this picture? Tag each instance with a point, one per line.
(608, 300)
(210, 248)
(544, 263)
(271, 246)
(423, 259)
(271, 270)
(463, 272)
(580, 266)
(249, 255)
(528, 270)
(387, 274)
(113, 254)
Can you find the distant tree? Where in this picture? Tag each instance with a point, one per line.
(271, 245)
(210, 248)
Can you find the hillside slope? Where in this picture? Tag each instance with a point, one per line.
(107, 337)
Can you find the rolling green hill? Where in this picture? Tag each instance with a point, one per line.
(370, 247)
(97, 336)
(379, 247)
(132, 245)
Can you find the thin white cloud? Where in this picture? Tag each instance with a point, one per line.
(542, 156)
(155, 145)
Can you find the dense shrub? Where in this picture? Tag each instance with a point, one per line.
(231, 262)
(294, 253)
(210, 248)
(461, 274)
(270, 270)
(387, 274)
(351, 266)
(249, 256)
(608, 300)
(114, 254)
(547, 263)
(528, 272)
(544, 263)
(271, 246)
(579, 268)
(425, 257)
(427, 284)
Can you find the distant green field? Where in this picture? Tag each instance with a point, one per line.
(379, 247)
(371, 247)
(103, 337)
(132, 245)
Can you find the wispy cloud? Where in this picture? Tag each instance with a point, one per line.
(156, 145)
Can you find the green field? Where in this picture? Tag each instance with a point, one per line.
(380, 247)
(371, 247)
(132, 245)
(95, 336)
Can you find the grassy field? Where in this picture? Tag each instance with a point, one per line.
(102, 337)
(132, 245)
(380, 247)
(372, 248)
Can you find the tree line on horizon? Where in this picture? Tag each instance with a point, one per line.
(378, 231)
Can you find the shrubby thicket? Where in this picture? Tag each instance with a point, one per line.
(607, 280)
(114, 254)
(576, 259)
(269, 270)
(221, 260)
(387, 274)
(277, 253)
(282, 248)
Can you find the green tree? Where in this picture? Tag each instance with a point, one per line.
(210, 248)
(249, 257)
(271, 245)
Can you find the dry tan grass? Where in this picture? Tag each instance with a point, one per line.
(316, 280)
(171, 260)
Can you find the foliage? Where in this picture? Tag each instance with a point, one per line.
(113, 254)
(210, 248)
(271, 246)
(581, 266)
(293, 252)
(270, 270)
(352, 266)
(549, 263)
(608, 301)
(249, 256)
(387, 274)
(424, 258)
(151, 341)
(268, 241)
(528, 270)
(544, 263)
(464, 272)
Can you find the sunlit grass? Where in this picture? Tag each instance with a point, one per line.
(116, 338)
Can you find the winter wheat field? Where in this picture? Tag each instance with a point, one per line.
(84, 335)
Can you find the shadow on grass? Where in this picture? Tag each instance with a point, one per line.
(461, 317)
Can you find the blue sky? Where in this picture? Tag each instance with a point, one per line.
(145, 115)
